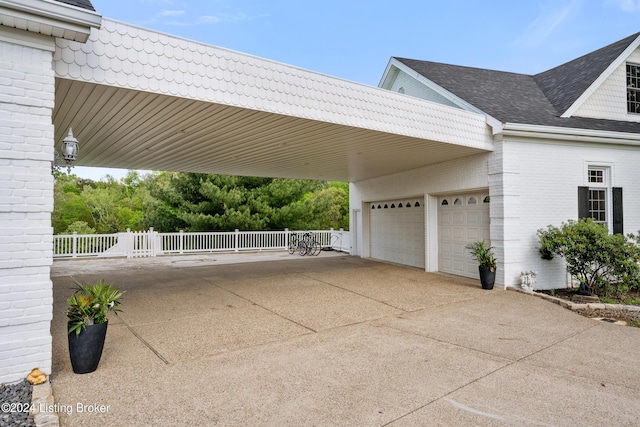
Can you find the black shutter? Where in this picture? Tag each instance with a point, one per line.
(617, 210)
(583, 202)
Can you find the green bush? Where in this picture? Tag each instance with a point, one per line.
(602, 263)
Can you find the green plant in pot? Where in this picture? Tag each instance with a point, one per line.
(88, 309)
(483, 253)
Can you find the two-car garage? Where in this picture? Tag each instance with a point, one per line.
(397, 231)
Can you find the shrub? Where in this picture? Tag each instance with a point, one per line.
(601, 262)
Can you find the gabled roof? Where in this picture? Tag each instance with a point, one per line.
(565, 83)
(83, 4)
(530, 99)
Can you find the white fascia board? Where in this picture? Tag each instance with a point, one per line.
(394, 66)
(571, 134)
(602, 78)
(65, 21)
(389, 75)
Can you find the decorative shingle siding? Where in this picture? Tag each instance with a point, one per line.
(609, 101)
(135, 58)
(26, 201)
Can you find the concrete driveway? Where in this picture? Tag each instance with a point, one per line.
(277, 340)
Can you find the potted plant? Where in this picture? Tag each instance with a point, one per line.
(87, 325)
(487, 262)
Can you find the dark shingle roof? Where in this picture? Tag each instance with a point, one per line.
(564, 84)
(520, 98)
(84, 4)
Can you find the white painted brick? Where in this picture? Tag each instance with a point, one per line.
(27, 86)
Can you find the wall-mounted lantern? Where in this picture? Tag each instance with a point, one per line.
(68, 154)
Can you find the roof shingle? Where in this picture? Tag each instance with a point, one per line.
(83, 4)
(530, 99)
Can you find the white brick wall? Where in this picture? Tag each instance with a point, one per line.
(545, 192)
(26, 200)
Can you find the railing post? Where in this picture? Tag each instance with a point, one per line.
(151, 246)
(237, 238)
(286, 238)
(181, 246)
(128, 246)
(341, 232)
(74, 245)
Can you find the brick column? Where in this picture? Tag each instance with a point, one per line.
(27, 90)
(504, 189)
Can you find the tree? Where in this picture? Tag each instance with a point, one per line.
(601, 262)
(200, 202)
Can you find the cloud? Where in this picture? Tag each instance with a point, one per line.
(170, 13)
(627, 5)
(219, 18)
(547, 21)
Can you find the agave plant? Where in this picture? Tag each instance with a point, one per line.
(483, 254)
(90, 304)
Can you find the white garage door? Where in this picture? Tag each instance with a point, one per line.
(397, 231)
(462, 219)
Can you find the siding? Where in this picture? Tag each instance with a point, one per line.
(609, 101)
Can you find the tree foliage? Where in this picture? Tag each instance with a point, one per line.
(601, 262)
(170, 201)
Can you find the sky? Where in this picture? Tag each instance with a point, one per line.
(354, 40)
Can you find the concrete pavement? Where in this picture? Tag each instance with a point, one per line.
(273, 339)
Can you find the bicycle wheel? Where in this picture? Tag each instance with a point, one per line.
(293, 244)
(302, 248)
(314, 248)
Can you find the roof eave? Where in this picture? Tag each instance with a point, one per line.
(385, 83)
(50, 18)
(570, 134)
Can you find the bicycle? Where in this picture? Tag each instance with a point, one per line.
(305, 245)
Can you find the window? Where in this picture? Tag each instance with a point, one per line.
(596, 178)
(633, 88)
(599, 200)
(598, 205)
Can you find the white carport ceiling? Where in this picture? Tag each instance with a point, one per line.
(142, 100)
(129, 129)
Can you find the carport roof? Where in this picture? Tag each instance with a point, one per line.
(139, 99)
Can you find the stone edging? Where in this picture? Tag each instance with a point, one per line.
(42, 399)
(574, 306)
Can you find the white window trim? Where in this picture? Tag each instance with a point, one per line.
(607, 185)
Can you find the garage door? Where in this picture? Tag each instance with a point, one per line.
(397, 231)
(462, 219)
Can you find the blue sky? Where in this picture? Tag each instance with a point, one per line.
(354, 40)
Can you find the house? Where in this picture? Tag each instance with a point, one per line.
(566, 144)
(438, 156)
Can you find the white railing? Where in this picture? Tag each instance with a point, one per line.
(151, 243)
(75, 245)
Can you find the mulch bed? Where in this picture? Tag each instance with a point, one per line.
(631, 317)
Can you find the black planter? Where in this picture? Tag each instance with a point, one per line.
(487, 277)
(85, 349)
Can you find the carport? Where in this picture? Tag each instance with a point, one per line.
(139, 99)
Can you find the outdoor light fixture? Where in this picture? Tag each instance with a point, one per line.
(69, 153)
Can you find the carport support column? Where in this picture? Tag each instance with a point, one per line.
(504, 186)
(27, 91)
